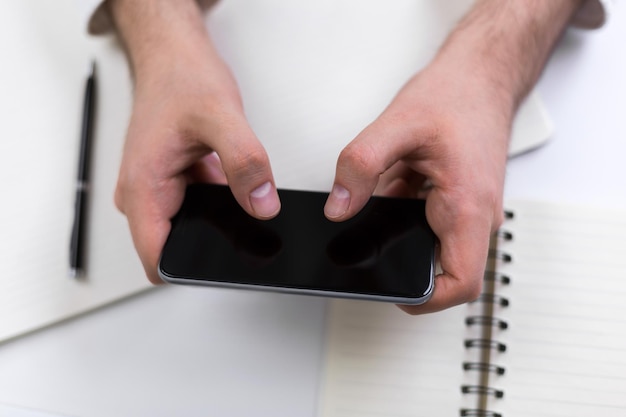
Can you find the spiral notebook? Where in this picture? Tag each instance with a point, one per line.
(546, 338)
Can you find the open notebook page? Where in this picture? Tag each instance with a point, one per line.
(566, 342)
(381, 361)
(41, 102)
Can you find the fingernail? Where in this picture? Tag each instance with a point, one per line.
(264, 201)
(338, 202)
(214, 166)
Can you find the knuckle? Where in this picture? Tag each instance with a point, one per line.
(360, 160)
(245, 162)
(122, 189)
(118, 200)
(482, 204)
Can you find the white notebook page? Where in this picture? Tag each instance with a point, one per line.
(381, 361)
(44, 77)
(566, 342)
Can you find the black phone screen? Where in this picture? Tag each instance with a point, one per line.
(385, 252)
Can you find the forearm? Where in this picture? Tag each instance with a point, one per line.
(507, 43)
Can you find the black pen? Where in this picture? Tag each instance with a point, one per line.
(77, 242)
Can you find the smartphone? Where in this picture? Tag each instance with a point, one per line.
(384, 253)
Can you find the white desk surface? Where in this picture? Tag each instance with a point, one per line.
(192, 352)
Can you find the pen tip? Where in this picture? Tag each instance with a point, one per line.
(93, 68)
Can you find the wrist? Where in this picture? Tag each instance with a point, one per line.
(170, 49)
(504, 45)
(160, 33)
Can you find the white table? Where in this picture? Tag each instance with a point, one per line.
(192, 352)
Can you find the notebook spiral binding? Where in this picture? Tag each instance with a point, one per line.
(485, 344)
(497, 277)
(489, 320)
(479, 413)
(500, 255)
(486, 320)
(484, 367)
(504, 234)
(493, 298)
(482, 389)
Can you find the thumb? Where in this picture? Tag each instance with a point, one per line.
(361, 163)
(247, 169)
